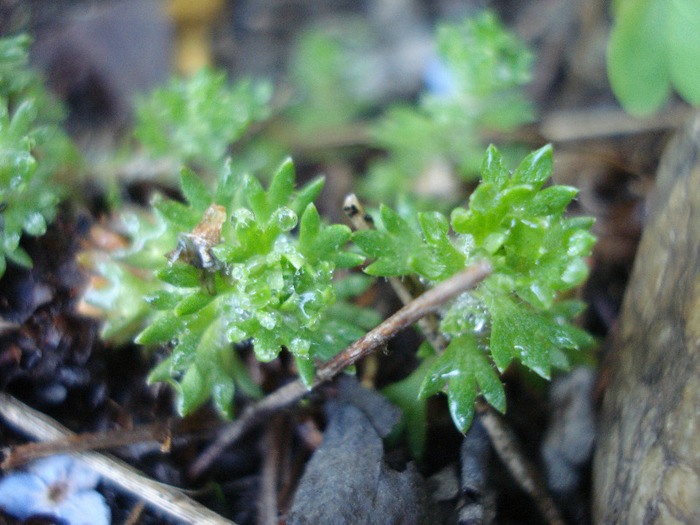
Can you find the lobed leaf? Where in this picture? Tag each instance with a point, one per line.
(463, 369)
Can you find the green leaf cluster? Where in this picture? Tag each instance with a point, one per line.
(238, 261)
(654, 48)
(267, 278)
(195, 121)
(32, 150)
(321, 71)
(486, 67)
(537, 254)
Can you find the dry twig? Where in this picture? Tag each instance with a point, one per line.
(292, 392)
(523, 471)
(268, 508)
(165, 497)
(21, 454)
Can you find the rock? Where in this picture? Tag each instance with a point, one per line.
(647, 463)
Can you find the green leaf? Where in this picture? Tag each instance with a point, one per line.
(435, 227)
(490, 385)
(307, 195)
(282, 184)
(193, 303)
(493, 167)
(19, 256)
(461, 397)
(174, 212)
(164, 328)
(181, 275)
(222, 391)
(551, 201)
(535, 169)
(371, 242)
(319, 244)
(163, 300)
(435, 231)
(515, 332)
(683, 33)
(193, 389)
(309, 228)
(34, 223)
(229, 183)
(396, 247)
(194, 190)
(162, 371)
(637, 56)
(461, 368)
(256, 197)
(235, 367)
(306, 370)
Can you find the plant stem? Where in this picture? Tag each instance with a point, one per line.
(521, 468)
(292, 392)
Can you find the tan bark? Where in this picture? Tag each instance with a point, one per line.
(647, 463)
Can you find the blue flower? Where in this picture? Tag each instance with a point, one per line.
(57, 486)
(439, 79)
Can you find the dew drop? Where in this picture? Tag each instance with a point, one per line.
(285, 218)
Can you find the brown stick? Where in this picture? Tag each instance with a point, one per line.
(21, 454)
(268, 510)
(523, 471)
(167, 498)
(429, 302)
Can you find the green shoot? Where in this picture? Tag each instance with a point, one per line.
(32, 151)
(236, 272)
(537, 255)
(486, 67)
(195, 121)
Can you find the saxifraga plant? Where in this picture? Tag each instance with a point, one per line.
(238, 270)
(235, 272)
(536, 254)
(33, 149)
(240, 263)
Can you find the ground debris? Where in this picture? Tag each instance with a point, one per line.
(347, 479)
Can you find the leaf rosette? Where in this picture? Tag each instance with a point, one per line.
(243, 264)
(537, 255)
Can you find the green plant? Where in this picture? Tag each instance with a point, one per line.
(536, 255)
(33, 149)
(654, 48)
(234, 272)
(326, 91)
(195, 121)
(239, 263)
(485, 68)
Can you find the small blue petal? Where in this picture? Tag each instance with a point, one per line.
(85, 508)
(27, 493)
(83, 477)
(52, 469)
(21, 493)
(439, 79)
(62, 468)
